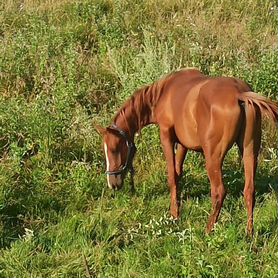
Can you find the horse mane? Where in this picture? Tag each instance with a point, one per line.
(137, 111)
(141, 103)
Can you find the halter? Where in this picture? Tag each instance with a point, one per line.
(130, 153)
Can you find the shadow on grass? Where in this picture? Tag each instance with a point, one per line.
(11, 228)
(233, 176)
(194, 183)
(267, 231)
(234, 181)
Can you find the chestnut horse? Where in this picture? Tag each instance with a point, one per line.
(195, 112)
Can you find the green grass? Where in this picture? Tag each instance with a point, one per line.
(66, 65)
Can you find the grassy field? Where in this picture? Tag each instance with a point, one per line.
(69, 64)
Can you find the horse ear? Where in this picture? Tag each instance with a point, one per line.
(101, 130)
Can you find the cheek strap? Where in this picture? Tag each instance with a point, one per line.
(131, 150)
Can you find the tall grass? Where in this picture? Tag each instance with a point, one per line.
(66, 65)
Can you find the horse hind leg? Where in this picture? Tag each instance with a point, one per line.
(218, 192)
(250, 166)
(216, 142)
(249, 145)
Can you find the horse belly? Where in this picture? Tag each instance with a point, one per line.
(188, 137)
(186, 119)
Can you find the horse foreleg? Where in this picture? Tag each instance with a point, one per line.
(179, 158)
(132, 187)
(167, 141)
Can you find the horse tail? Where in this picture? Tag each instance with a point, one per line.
(266, 106)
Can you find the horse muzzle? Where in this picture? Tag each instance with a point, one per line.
(115, 181)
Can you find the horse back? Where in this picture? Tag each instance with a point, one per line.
(188, 102)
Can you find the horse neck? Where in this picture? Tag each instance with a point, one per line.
(137, 112)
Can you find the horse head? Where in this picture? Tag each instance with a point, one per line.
(119, 152)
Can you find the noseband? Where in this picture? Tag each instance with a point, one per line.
(131, 149)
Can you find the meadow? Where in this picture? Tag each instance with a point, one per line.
(67, 65)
